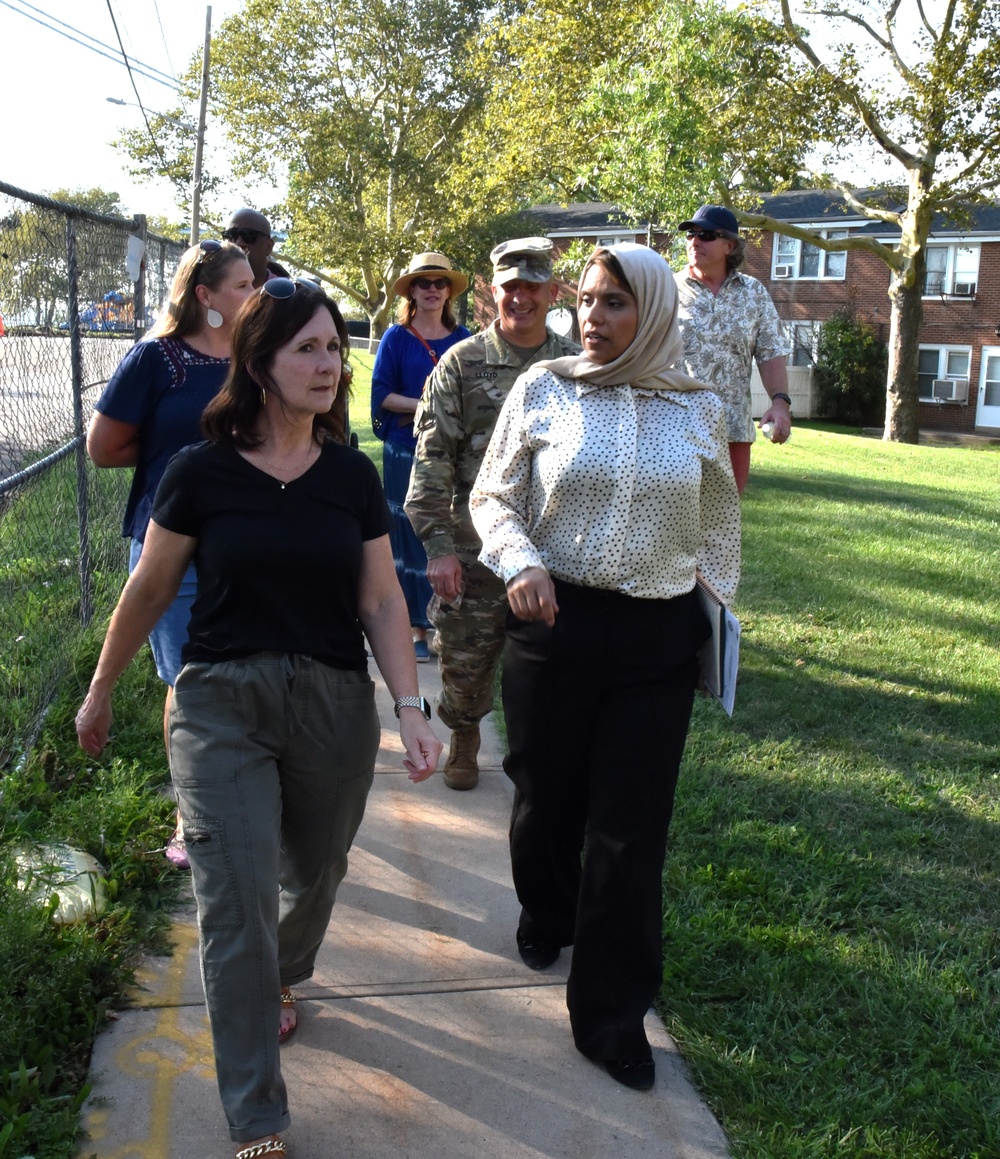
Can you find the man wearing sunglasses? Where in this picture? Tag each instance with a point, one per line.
(251, 231)
(729, 322)
(453, 423)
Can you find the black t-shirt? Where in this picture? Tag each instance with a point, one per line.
(278, 568)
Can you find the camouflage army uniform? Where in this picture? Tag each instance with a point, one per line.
(453, 424)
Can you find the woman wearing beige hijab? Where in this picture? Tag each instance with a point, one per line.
(606, 487)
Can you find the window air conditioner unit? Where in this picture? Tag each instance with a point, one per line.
(950, 389)
(783, 271)
(964, 289)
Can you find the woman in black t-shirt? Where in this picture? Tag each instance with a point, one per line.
(273, 729)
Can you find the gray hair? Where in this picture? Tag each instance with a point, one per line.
(735, 259)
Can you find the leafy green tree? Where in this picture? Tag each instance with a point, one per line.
(692, 105)
(850, 370)
(918, 87)
(362, 106)
(681, 101)
(35, 241)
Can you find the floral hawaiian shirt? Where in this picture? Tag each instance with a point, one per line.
(723, 334)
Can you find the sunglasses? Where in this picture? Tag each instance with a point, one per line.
(281, 288)
(247, 235)
(705, 234)
(207, 247)
(427, 284)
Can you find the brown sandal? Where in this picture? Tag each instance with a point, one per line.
(287, 1003)
(272, 1146)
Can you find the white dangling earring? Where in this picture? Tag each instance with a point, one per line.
(214, 318)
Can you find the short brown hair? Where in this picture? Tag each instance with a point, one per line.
(263, 325)
(197, 267)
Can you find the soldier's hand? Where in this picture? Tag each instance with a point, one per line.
(532, 595)
(445, 576)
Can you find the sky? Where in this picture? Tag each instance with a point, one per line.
(56, 126)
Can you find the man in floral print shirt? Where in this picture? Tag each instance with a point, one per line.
(729, 322)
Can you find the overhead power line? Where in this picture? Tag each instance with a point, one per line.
(135, 89)
(147, 71)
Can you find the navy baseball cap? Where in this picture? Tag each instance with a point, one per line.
(714, 217)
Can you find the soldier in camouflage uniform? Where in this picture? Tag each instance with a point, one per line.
(453, 424)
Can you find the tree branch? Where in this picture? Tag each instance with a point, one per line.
(832, 245)
(884, 42)
(847, 92)
(924, 21)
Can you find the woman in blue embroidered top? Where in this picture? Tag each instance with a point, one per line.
(406, 356)
(152, 407)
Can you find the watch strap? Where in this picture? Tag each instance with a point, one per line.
(420, 702)
(781, 394)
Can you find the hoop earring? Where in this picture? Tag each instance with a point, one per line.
(214, 318)
(263, 397)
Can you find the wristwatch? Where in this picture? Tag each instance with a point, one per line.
(420, 702)
(784, 397)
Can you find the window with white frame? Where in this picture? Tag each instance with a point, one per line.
(952, 271)
(804, 337)
(615, 240)
(796, 259)
(943, 373)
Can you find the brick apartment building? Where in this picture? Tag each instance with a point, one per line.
(959, 359)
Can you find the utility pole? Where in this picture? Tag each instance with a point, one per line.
(200, 143)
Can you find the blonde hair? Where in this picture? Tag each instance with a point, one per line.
(197, 267)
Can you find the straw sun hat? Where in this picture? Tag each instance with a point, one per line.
(430, 265)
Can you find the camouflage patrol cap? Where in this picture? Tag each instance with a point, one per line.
(526, 258)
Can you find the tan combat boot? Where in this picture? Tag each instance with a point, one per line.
(461, 770)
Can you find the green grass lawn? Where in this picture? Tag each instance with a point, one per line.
(831, 894)
(361, 419)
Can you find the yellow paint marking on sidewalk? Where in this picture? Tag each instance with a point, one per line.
(162, 1054)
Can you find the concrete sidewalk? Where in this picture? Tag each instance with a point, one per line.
(421, 1033)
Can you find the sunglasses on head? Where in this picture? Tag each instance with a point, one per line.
(428, 284)
(247, 235)
(281, 288)
(705, 234)
(206, 248)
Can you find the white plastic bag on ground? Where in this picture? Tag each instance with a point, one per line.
(73, 876)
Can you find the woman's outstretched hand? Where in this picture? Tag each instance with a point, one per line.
(422, 747)
(532, 595)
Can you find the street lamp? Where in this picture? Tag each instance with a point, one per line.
(162, 116)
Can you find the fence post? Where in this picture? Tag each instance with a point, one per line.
(139, 293)
(82, 482)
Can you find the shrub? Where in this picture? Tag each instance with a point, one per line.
(851, 369)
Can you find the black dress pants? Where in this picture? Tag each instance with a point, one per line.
(597, 711)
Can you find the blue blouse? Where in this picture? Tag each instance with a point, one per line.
(161, 386)
(402, 366)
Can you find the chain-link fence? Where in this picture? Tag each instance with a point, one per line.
(77, 288)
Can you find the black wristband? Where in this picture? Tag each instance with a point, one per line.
(781, 394)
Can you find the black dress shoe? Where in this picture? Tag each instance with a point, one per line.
(637, 1073)
(537, 955)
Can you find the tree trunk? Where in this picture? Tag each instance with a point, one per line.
(901, 407)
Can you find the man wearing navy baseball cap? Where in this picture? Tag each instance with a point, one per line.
(729, 322)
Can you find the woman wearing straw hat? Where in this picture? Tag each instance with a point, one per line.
(406, 356)
(606, 487)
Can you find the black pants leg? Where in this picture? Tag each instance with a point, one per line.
(597, 714)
